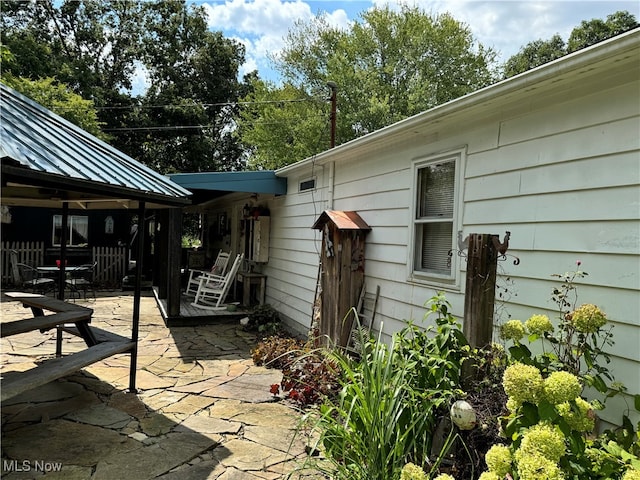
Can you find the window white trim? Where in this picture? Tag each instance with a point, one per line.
(416, 226)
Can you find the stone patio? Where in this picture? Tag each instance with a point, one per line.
(203, 409)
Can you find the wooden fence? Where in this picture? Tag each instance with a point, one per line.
(110, 268)
(31, 253)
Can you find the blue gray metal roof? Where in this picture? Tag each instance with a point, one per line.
(258, 181)
(39, 146)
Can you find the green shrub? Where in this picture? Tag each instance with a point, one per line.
(390, 398)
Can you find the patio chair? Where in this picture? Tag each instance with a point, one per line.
(80, 280)
(27, 277)
(213, 289)
(219, 268)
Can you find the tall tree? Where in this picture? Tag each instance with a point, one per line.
(96, 47)
(589, 32)
(53, 95)
(387, 66)
(193, 83)
(58, 98)
(282, 125)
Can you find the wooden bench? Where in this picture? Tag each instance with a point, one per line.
(67, 317)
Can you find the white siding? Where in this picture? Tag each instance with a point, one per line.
(562, 176)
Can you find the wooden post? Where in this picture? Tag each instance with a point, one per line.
(480, 290)
(161, 253)
(174, 254)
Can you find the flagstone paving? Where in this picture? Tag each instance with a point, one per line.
(202, 410)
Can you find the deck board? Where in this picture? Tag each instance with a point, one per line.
(190, 315)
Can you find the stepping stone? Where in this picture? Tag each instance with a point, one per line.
(153, 460)
(101, 416)
(66, 442)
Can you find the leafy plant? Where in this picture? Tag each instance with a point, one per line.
(310, 379)
(265, 319)
(549, 422)
(576, 346)
(276, 351)
(387, 409)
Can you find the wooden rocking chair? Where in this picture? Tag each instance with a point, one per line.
(219, 268)
(213, 289)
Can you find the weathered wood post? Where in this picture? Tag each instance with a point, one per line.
(480, 291)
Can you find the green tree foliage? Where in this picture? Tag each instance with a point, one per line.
(534, 54)
(589, 32)
(59, 99)
(283, 124)
(96, 47)
(388, 66)
(55, 96)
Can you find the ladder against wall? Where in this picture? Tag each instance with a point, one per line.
(366, 308)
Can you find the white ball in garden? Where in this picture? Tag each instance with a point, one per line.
(463, 415)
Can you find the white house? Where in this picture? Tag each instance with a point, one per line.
(551, 155)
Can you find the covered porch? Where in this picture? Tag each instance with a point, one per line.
(234, 219)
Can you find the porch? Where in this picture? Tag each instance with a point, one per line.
(193, 316)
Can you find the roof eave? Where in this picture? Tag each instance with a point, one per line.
(519, 83)
(26, 176)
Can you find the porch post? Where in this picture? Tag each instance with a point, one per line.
(161, 256)
(64, 236)
(136, 297)
(174, 256)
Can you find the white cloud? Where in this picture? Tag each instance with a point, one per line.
(262, 25)
(505, 25)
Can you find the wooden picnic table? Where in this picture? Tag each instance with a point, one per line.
(71, 318)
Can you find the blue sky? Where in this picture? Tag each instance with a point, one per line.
(507, 25)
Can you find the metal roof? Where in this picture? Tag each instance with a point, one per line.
(343, 220)
(258, 181)
(47, 160)
(207, 186)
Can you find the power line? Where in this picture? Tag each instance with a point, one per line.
(193, 127)
(221, 104)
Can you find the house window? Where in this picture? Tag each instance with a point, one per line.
(77, 233)
(435, 217)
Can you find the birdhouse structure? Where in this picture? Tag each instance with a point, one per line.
(341, 272)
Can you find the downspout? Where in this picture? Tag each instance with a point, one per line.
(332, 171)
(332, 165)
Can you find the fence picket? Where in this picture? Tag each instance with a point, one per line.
(31, 253)
(110, 266)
